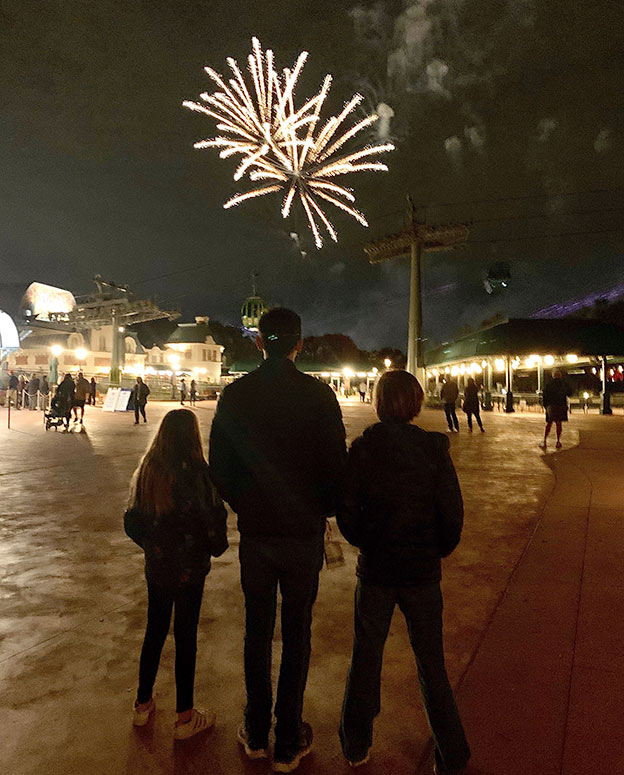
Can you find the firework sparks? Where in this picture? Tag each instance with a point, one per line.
(284, 147)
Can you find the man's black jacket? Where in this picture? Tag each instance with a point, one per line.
(277, 450)
(402, 505)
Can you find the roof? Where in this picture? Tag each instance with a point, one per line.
(521, 336)
(189, 333)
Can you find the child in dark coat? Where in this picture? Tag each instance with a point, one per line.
(402, 506)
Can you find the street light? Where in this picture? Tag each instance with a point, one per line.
(56, 350)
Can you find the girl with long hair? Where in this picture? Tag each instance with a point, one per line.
(177, 518)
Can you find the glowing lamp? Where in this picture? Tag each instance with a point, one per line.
(454, 371)
(586, 395)
(499, 364)
(56, 350)
(571, 358)
(81, 354)
(549, 360)
(387, 363)
(348, 372)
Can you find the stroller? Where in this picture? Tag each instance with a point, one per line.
(53, 418)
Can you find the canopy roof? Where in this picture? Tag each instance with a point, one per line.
(521, 336)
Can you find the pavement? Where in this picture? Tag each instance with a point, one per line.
(533, 599)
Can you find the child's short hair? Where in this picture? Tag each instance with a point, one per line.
(398, 396)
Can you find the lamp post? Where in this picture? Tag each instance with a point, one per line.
(81, 355)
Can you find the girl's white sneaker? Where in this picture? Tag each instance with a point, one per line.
(200, 720)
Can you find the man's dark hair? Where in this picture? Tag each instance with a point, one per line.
(280, 329)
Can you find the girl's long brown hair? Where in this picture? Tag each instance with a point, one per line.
(177, 447)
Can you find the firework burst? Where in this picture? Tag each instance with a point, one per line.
(284, 147)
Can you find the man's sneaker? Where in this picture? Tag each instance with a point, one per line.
(252, 753)
(288, 760)
(359, 762)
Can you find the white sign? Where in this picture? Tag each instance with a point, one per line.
(122, 400)
(116, 400)
(110, 402)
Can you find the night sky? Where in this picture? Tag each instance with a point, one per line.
(507, 113)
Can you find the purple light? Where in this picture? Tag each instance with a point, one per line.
(568, 307)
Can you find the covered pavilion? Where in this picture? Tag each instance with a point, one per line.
(513, 356)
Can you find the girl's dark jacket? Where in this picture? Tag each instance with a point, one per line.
(401, 505)
(178, 546)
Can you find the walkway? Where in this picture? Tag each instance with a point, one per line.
(534, 590)
(545, 691)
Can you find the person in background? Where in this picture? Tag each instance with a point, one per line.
(449, 394)
(277, 452)
(33, 391)
(140, 392)
(12, 390)
(183, 391)
(402, 507)
(179, 521)
(362, 391)
(44, 389)
(21, 390)
(64, 398)
(193, 393)
(471, 404)
(92, 392)
(555, 400)
(80, 396)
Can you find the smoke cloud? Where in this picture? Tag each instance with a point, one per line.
(545, 128)
(602, 143)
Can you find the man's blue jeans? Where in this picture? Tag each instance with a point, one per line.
(294, 565)
(422, 608)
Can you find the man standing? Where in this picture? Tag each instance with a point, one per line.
(182, 391)
(277, 450)
(449, 394)
(555, 400)
(140, 392)
(33, 390)
(44, 389)
(13, 385)
(80, 396)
